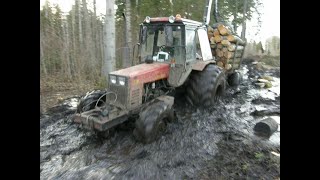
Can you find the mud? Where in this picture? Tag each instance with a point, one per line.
(216, 143)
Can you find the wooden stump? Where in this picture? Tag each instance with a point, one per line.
(266, 127)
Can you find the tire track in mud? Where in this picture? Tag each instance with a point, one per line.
(186, 149)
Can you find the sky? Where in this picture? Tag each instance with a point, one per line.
(270, 18)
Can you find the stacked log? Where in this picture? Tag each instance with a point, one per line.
(226, 46)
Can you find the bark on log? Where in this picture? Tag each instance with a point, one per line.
(232, 47)
(266, 127)
(235, 39)
(224, 30)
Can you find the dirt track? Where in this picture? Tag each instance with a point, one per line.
(217, 143)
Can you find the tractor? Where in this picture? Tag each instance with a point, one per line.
(173, 53)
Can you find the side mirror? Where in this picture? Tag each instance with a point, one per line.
(169, 36)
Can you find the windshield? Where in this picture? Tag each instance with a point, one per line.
(162, 42)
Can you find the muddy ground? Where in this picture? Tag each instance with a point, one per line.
(216, 143)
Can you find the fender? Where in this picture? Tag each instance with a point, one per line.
(199, 66)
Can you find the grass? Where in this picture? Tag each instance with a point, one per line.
(53, 89)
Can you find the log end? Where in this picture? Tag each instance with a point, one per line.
(266, 127)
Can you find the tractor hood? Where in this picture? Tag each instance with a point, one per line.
(144, 73)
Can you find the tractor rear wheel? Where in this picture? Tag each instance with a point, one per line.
(234, 79)
(89, 101)
(204, 88)
(152, 121)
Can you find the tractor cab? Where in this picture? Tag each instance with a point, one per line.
(176, 41)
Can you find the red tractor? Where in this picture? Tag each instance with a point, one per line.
(173, 52)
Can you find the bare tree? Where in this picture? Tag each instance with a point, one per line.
(109, 63)
(243, 32)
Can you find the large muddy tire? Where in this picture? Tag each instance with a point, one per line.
(204, 88)
(152, 121)
(235, 79)
(89, 101)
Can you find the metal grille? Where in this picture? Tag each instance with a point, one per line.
(122, 93)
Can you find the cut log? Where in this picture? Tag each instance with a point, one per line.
(212, 40)
(224, 30)
(232, 47)
(220, 64)
(215, 26)
(235, 39)
(229, 55)
(219, 45)
(225, 43)
(216, 32)
(225, 49)
(228, 66)
(213, 46)
(210, 34)
(210, 29)
(219, 52)
(217, 39)
(266, 127)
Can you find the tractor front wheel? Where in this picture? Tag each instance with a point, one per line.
(152, 121)
(89, 101)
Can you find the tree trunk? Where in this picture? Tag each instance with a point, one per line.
(109, 64)
(243, 32)
(235, 16)
(88, 40)
(42, 61)
(128, 36)
(67, 70)
(80, 25)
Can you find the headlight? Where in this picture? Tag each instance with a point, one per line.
(148, 19)
(113, 79)
(171, 19)
(122, 81)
